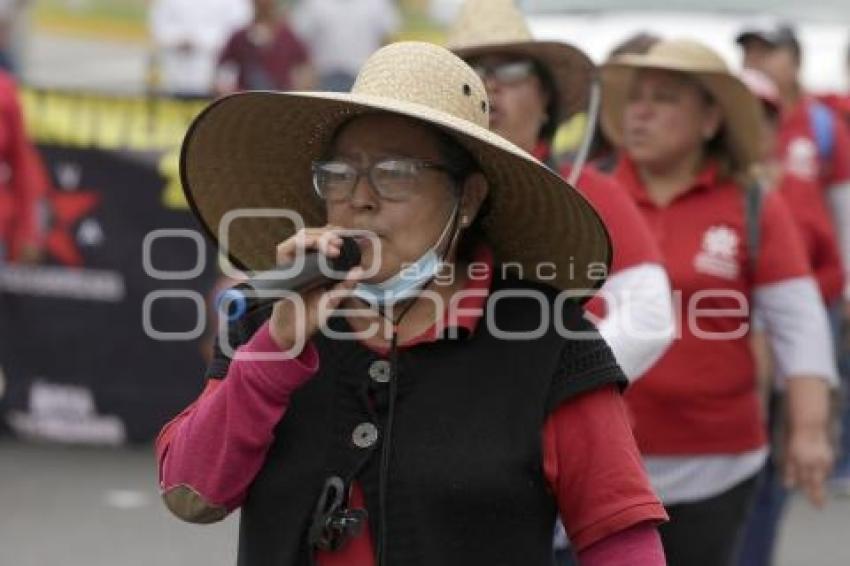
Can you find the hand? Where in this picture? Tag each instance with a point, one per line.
(285, 325)
(808, 463)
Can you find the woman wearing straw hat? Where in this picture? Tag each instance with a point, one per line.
(533, 86)
(689, 133)
(443, 427)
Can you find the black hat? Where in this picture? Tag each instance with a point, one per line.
(781, 35)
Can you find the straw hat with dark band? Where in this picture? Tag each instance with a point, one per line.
(741, 112)
(254, 150)
(487, 27)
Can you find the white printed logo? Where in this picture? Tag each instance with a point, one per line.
(719, 255)
(801, 159)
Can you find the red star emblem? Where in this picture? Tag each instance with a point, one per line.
(66, 210)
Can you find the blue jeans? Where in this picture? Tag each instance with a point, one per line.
(758, 541)
(842, 352)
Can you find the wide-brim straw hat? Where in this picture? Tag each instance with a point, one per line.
(255, 150)
(487, 27)
(741, 112)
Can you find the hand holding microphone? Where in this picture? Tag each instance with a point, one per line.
(287, 321)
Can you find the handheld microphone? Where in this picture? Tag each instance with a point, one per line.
(246, 297)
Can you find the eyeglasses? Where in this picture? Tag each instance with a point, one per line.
(505, 73)
(394, 178)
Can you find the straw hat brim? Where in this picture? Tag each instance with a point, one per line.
(255, 150)
(571, 70)
(741, 113)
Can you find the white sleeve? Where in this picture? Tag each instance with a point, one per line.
(639, 326)
(798, 329)
(839, 205)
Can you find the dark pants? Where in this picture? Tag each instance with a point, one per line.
(761, 529)
(706, 533)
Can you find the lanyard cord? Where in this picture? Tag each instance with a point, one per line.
(384, 470)
(384, 466)
(383, 474)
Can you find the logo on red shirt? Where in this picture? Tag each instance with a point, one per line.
(801, 158)
(719, 255)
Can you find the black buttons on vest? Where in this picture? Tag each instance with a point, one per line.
(365, 435)
(379, 371)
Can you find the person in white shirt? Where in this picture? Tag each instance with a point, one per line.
(342, 34)
(188, 36)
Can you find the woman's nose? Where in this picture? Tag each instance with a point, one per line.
(363, 196)
(641, 107)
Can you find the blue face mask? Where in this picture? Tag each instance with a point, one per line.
(407, 283)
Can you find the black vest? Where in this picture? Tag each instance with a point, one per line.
(465, 483)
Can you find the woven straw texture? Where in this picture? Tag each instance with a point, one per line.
(486, 27)
(255, 149)
(740, 108)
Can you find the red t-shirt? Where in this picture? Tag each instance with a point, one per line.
(809, 211)
(590, 459)
(266, 67)
(799, 148)
(701, 398)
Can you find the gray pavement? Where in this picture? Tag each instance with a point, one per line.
(70, 506)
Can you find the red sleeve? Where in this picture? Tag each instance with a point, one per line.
(839, 170)
(592, 464)
(637, 545)
(218, 445)
(27, 183)
(782, 253)
(630, 236)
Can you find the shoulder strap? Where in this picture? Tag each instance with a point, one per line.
(824, 128)
(752, 213)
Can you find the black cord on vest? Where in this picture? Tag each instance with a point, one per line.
(384, 473)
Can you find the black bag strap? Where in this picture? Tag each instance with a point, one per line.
(753, 201)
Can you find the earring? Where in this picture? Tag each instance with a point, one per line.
(464, 221)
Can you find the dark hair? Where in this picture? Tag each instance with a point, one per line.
(719, 147)
(547, 82)
(461, 164)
